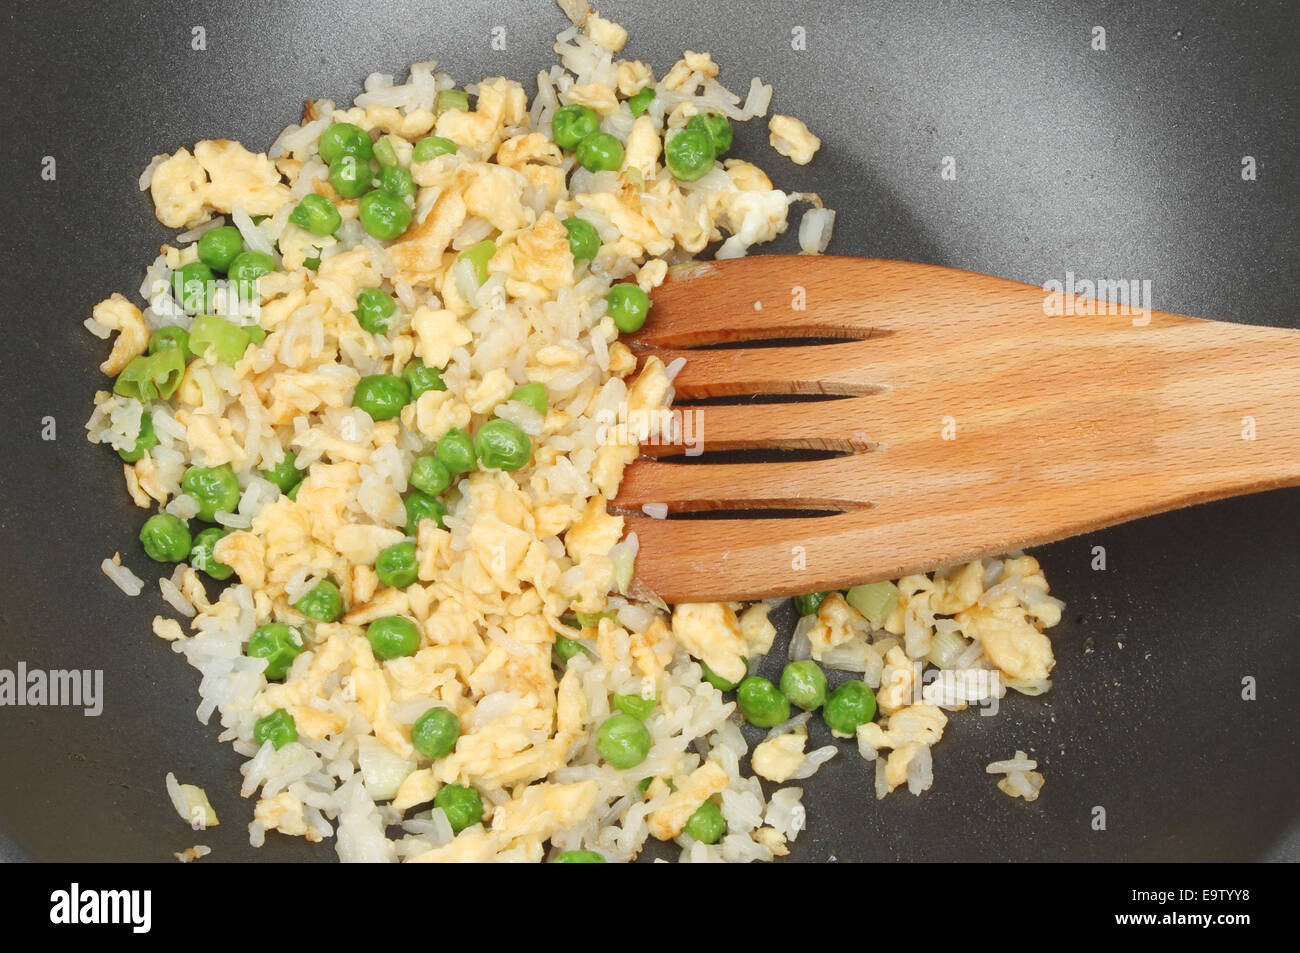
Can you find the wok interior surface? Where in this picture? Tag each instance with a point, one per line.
(1120, 164)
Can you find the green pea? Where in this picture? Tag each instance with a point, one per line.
(201, 554)
(384, 152)
(706, 825)
(584, 240)
(227, 341)
(640, 101)
(171, 336)
(420, 377)
(396, 565)
(317, 214)
(429, 474)
(375, 310)
(573, 123)
(322, 602)
(533, 395)
(285, 474)
(716, 680)
(804, 683)
(635, 705)
(717, 128)
(192, 286)
(279, 728)
(218, 247)
(760, 702)
(567, 648)
(479, 255)
(382, 396)
(145, 440)
(350, 176)
(293, 493)
(430, 147)
(810, 603)
(623, 741)
(579, 857)
(214, 489)
(393, 637)
(246, 271)
(850, 705)
(148, 377)
(421, 506)
(456, 99)
(600, 152)
(397, 181)
(165, 538)
(463, 806)
(456, 451)
(435, 732)
(279, 645)
(628, 305)
(384, 216)
(501, 445)
(345, 139)
(688, 154)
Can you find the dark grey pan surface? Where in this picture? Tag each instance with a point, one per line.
(1124, 163)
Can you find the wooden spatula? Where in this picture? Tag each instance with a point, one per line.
(969, 422)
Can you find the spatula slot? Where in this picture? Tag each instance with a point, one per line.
(838, 368)
(750, 513)
(754, 400)
(760, 343)
(675, 456)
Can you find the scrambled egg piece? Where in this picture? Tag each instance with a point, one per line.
(118, 314)
(898, 682)
(757, 629)
(529, 147)
(606, 33)
(245, 554)
(691, 62)
(959, 591)
(167, 629)
(702, 783)
(438, 334)
(501, 103)
(284, 813)
(418, 254)
(836, 624)
(596, 96)
(633, 76)
(239, 177)
(495, 193)
(1010, 641)
(916, 723)
(595, 533)
(790, 137)
(538, 261)
(753, 217)
(779, 758)
(898, 768)
(178, 187)
(541, 810)
(711, 632)
(643, 147)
